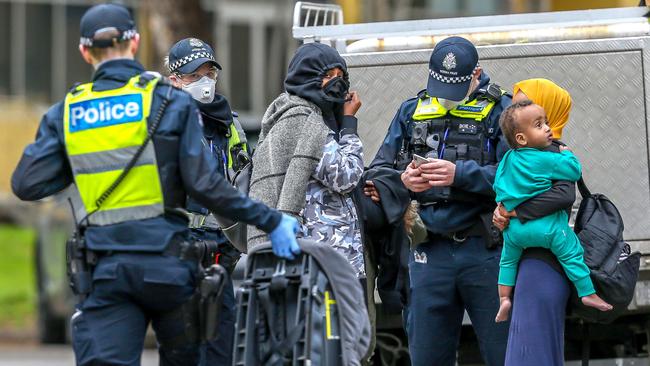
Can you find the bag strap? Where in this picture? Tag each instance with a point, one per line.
(152, 129)
(582, 187)
(282, 340)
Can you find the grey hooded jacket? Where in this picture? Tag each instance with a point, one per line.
(290, 146)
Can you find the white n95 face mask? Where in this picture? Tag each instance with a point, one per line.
(450, 104)
(201, 90)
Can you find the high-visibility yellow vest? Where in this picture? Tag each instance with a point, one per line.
(476, 109)
(103, 130)
(234, 139)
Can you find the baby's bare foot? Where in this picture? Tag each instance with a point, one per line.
(504, 310)
(595, 301)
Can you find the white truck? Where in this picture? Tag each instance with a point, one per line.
(602, 57)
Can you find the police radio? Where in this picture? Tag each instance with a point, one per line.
(79, 260)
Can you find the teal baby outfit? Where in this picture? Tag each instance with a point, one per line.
(524, 173)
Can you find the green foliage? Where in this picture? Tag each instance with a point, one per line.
(17, 277)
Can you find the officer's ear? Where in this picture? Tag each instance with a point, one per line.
(175, 79)
(85, 54)
(478, 72)
(134, 43)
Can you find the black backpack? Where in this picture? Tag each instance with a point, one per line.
(614, 269)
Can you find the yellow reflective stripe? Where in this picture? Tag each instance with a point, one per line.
(108, 160)
(107, 217)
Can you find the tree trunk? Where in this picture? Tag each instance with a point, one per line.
(165, 22)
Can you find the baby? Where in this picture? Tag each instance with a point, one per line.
(524, 172)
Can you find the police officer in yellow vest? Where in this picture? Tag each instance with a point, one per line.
(144, 270)
(453, 123)
(192, 67)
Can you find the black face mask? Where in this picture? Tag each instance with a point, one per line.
(336, 90)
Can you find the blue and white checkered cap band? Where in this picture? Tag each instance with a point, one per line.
(190, 58)
(126, 35)
(452, 79)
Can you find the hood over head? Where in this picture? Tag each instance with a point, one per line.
(305, 75)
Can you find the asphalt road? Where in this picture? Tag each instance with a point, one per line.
(37, 355)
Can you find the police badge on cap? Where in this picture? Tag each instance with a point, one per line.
(451, 67)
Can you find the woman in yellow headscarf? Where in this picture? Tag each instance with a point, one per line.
(555, 101)
(542, 290)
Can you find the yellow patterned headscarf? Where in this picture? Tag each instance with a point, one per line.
(555, 101)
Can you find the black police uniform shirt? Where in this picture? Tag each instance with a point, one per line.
(184, 168)
(217, 118)
(452, 216)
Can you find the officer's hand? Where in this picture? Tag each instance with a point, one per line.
(352, 104)
(413, 180)
(371, 191)
(439, 172)
(564, 147)
(283, 238)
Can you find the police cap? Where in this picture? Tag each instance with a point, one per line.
(188, 54)
(103, 24)
(451, 66)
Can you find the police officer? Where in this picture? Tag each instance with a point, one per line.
(453, 124)
(145, 269)
(192, 67)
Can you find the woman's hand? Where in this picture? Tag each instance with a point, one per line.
(352, 104)
(371, 191)
(501, 217)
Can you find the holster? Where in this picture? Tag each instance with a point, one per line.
(200, 313)
(210, 292)
(492, 235)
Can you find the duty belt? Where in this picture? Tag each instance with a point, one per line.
(198, 221)
(462, 235)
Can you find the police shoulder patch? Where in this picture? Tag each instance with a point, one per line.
(470, 108)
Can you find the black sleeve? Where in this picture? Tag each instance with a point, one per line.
(559, 197)
(43, 169)
(204, 184)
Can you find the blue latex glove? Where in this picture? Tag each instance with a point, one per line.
(283, 238)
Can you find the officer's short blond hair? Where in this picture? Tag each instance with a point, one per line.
(166, 65)
(99, 53)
